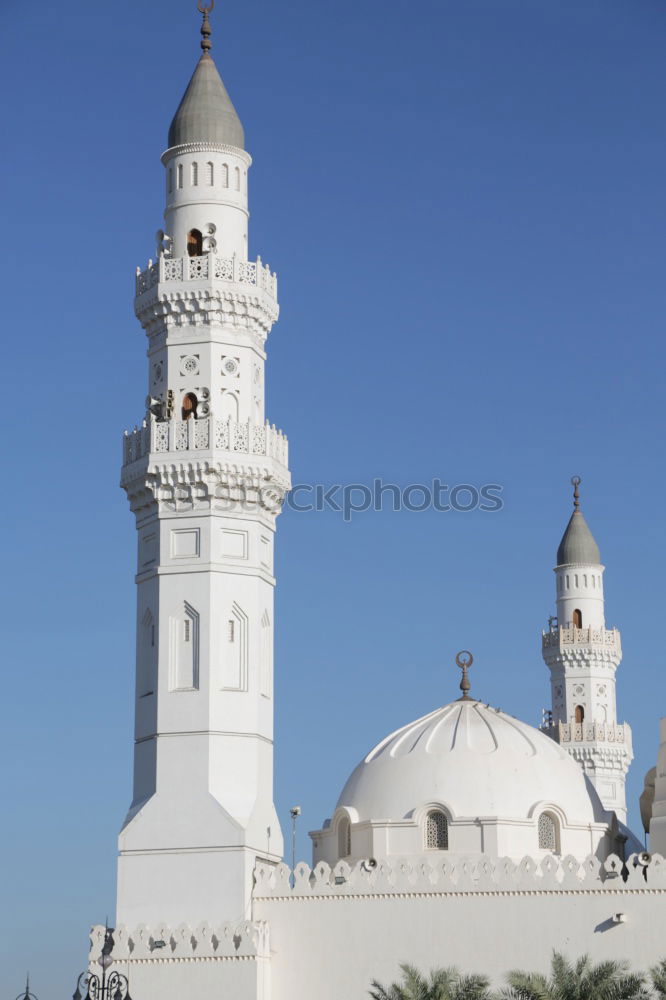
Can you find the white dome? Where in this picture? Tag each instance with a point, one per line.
(475, 761)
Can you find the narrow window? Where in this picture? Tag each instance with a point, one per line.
(576, 579)
(225, 175)
(578, 618)
(189, 407)
(579, 715)
(170, 179)
(152, 636)
(180, 175)
(548, 833)
(594, 581)
(195, 242)
(195, 174)
(567, 581)
(210, 174)
(186, 630)
(237, 178)
(436, 832)
(231, 630)
(344, 838)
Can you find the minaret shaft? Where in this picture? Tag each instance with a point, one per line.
(205, 477)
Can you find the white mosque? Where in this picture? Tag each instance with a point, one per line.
(466, 837)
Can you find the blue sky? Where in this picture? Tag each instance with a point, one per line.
(464, 204)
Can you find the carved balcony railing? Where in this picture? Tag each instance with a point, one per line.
(587, 732)
(206, 268)
(206, 434)
(572, 636)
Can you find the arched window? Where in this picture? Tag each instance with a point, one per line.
(344, 838)
(579, 715)
(237, 178)
(189, 408)
(548, 833)
(578, 618)
(436, 831)
(195, 174)
(225, 175)
(180, 175)
(195, 243)
(210, 174)
(170, 179)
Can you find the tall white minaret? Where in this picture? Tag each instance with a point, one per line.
(205, 476)
(583, 655)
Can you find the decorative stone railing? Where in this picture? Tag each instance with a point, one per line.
(572, 636)
(163, 942)
(587, 732)
(206, 268)
(206, 434)
(459, 874)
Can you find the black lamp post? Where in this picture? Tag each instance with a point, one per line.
(27, 995)
(113, 986)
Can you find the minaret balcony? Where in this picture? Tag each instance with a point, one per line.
(569, 638)
(589, 732)
(163, 437)
(208, 268)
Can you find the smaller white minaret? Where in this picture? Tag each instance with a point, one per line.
(582, 656)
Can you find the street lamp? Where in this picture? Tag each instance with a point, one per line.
(294, 812)
(112, 987)
(27, 995)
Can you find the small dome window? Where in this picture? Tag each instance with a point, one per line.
(344, 838)
(436, 831)
(548, 833)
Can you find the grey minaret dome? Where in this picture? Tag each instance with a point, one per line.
(206, 113)
(578, 544)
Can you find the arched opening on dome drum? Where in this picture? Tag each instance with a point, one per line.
(189, 407)
(195, 243)
(344, 838)
(578, 618)
(436, 831)
(579, 715)
(549, 834)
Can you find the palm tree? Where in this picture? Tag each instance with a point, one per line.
(579, 981)
(442, 984)
(658, 977)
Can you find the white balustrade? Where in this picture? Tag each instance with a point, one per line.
(207, 434)
(206, 268)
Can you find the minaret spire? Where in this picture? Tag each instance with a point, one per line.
(206, 30)
(575, 482)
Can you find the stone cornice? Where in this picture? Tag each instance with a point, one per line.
(206, 147)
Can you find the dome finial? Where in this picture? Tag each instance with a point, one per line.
(206, 30)
(464, 659)
(575, 482)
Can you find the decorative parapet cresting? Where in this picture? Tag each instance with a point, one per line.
(206, 268)
(205, 434)
(587, 732)
(163, 943)
(572, 636)
(481, 874)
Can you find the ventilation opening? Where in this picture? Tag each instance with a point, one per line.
(195, 243)
(579, 714)
(189, 408)
(548, 833)
(578, 618)
(436, 832)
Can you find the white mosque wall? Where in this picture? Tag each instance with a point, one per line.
(326, 934)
